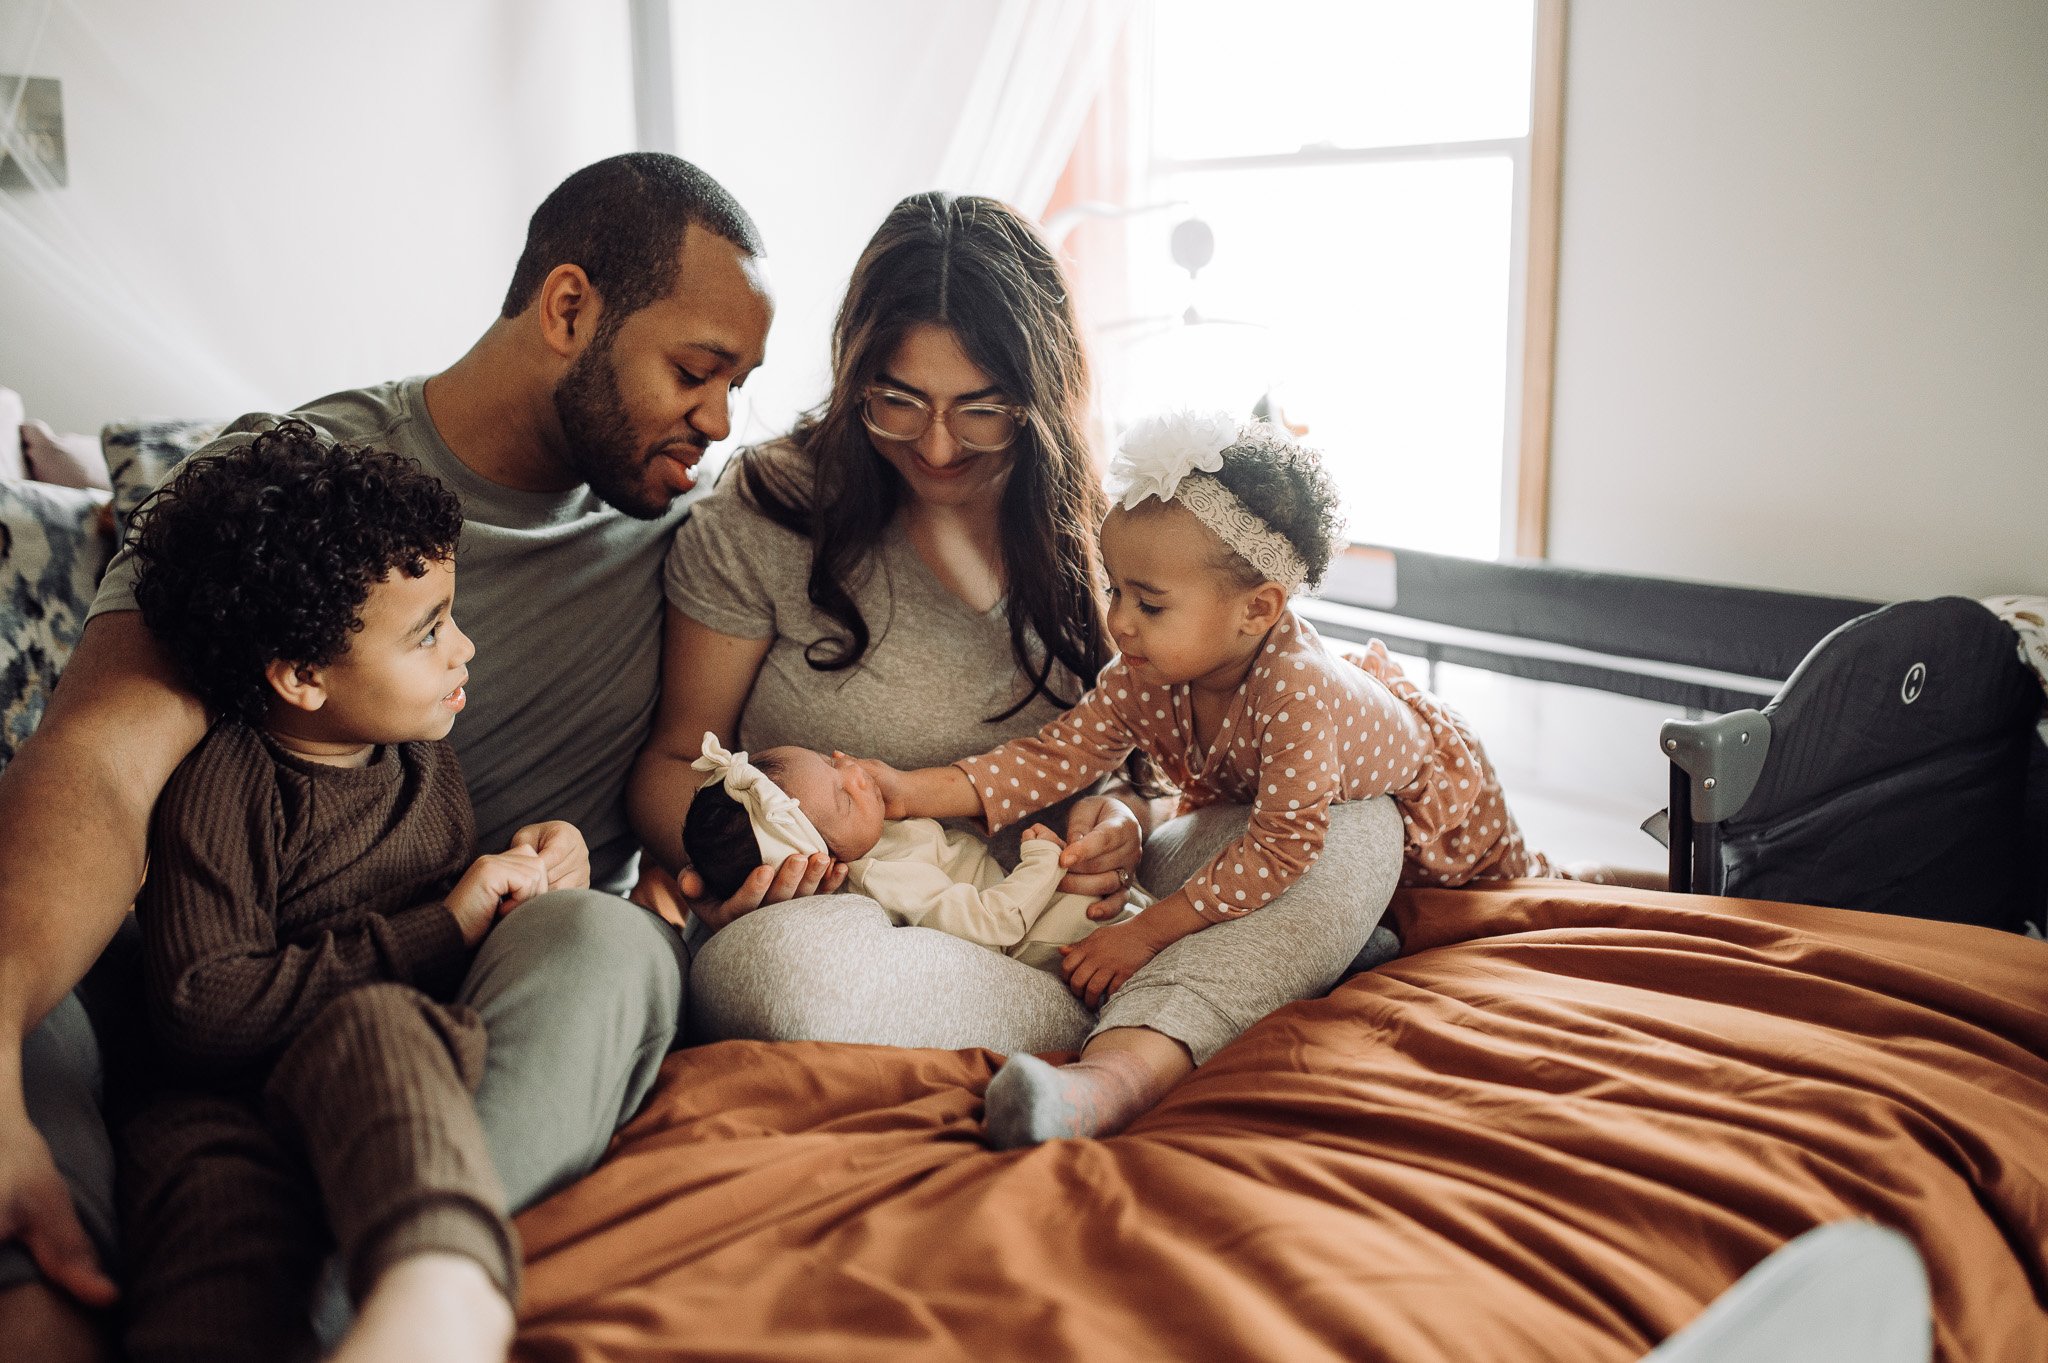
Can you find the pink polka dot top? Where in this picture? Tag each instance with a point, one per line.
(1308, 727)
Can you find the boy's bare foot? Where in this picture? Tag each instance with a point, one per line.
(1120, 1077)
(430, 1308)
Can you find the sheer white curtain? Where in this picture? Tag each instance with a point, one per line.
(243, 228)
(820, 115)
(1041, 68)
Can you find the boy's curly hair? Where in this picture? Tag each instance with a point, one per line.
(1284, 484)
(268, 550)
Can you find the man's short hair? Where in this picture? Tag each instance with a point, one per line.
(623, 219)
(268, 551)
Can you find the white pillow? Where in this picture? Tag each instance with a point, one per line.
(66, 460)
(12, 414)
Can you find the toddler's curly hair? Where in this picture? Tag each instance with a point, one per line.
(1284, 484)
(268, 550)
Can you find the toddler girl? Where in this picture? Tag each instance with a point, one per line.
(1214, 528)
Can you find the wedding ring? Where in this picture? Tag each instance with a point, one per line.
(1123, 877)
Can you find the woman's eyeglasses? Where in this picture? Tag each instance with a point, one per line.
(978, 426)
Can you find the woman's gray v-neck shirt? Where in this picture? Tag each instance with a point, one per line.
(936, 669)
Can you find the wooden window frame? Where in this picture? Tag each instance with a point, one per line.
(1533, 268)
(1541, 183)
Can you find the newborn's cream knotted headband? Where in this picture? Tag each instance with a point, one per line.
(781, 827)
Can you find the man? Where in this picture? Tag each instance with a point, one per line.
(569, 431)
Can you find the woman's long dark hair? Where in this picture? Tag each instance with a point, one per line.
(980, 268)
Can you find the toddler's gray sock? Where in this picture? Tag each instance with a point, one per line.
(1030, 1101)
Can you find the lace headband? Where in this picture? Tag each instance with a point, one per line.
(1171, 457)
(781, 828)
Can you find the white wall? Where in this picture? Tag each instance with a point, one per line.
(1802, 335)
(1803, 320)
(819, 117)
(1803, 329)
(1804, 281)
(269, 202)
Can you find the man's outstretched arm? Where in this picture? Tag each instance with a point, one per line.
(74, 832)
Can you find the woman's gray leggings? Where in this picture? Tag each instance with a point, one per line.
(834, 968)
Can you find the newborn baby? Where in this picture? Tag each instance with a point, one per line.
(921, 872)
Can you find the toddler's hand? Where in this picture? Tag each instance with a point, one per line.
(562, 850)
(889, 781)
(493, 886)
(1038, 832)
(1098, 964)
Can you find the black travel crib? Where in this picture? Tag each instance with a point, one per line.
(1883, 758)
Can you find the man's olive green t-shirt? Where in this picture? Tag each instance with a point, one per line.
(562, 596)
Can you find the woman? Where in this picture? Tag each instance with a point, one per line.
(912, 576)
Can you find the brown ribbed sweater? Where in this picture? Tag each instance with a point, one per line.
(276, 885)
(299, 966)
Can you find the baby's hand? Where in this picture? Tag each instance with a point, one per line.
(1098, 964)
(1038, 832)
(493, 886)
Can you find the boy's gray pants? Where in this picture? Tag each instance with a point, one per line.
(580, 991)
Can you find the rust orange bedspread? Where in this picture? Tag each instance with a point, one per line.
(1561, 1124)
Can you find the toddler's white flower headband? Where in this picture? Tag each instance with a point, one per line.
(1171, 457)
(781, 828)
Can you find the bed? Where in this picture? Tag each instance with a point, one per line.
(1556, 1128)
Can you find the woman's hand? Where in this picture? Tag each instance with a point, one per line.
(795, 878)
(1104, 845)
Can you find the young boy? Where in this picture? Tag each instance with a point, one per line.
(310, 909)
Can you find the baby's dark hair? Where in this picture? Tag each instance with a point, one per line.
(1284, 484)
(268, 550)
(718, 835)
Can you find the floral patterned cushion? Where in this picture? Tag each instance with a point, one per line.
(54, 544)
(142, 454)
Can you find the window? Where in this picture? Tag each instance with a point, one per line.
(1368, 181)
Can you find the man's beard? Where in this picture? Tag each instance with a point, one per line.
(601, 445)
